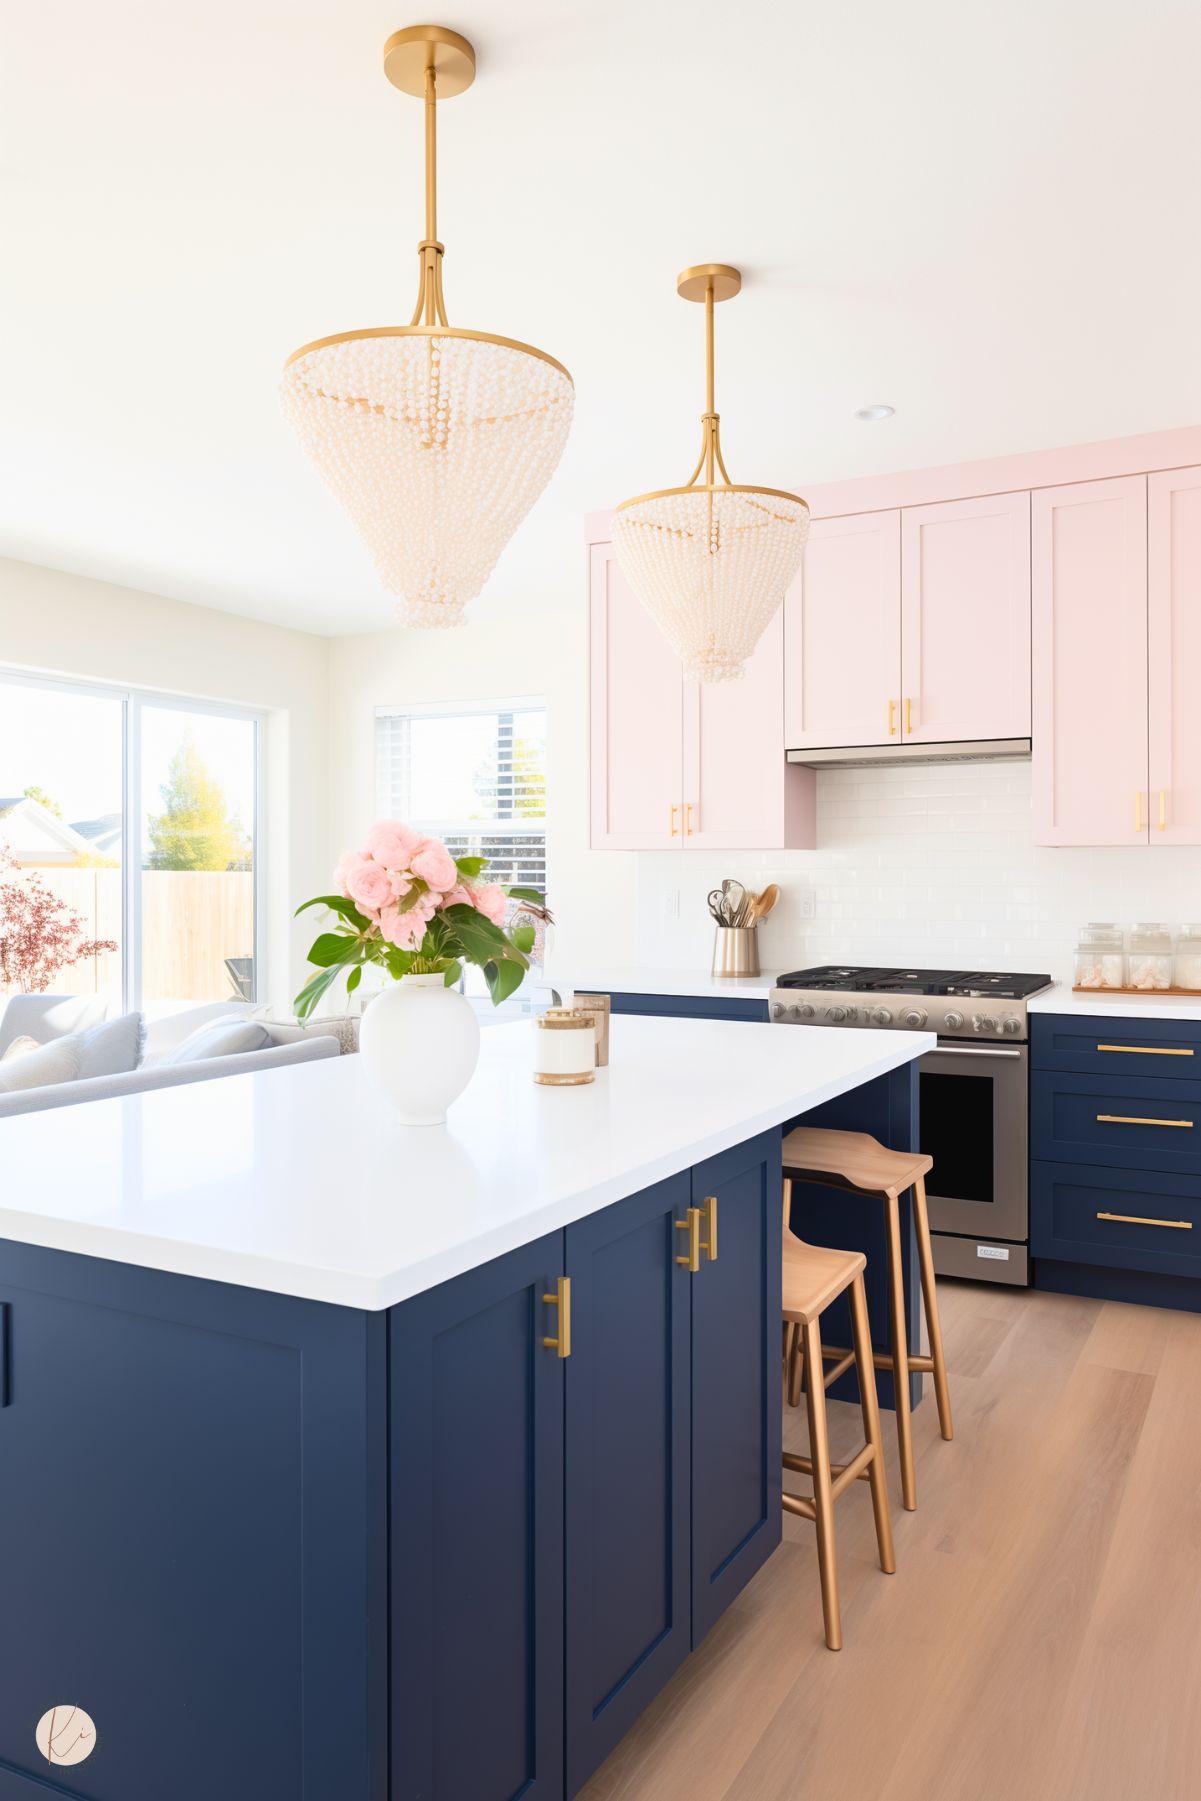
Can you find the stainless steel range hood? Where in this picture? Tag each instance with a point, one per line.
(870, 756)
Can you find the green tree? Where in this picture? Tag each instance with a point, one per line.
(196, 829)
(33, 792)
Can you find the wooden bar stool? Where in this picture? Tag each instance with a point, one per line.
(813, 1277)
(860, 1163)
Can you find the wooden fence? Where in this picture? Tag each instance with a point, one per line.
(190, 923)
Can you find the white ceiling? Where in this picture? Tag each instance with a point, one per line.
(985, 216)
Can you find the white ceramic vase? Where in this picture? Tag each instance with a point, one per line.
(420, 1041)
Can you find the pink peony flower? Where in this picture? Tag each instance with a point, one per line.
(458, 896)
(369, 885)
(492, 902)
(435, 865)
(400, 883)
(350, 861)
(392, 843)
(405, 930)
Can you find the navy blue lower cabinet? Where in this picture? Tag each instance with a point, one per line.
(688, 1006)
(1120, 1218)
(736, 1515)
(629, 1400)
(189, 1549)
(477, 1535)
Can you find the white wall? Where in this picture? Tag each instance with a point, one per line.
(932, 865)
(52, 623)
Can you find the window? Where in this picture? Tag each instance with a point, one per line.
(139, 814)
(472, 774)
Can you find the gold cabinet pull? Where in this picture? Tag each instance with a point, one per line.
(1134, 1119)
(1138, 812)
(687, 819)
(1140, 1219)
(562, 1300)
(708, 1243)
(691, 1225)
(892, 718)
(1146, 1050)
(908, 714)
(675, 830)
(1163, 809)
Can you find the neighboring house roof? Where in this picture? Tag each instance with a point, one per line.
(103, 834)
(35, 835)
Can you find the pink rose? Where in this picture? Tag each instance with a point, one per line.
(369, 885)
(459, 896)
(492, 902)
(350, 861)
(405, 930)
(391, 843)
(400, 883)
(435, 865)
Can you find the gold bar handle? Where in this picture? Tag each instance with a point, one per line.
(1141, 1219)
(1138, 812)
(691, 1225)
(687, 819)
(1134, 1119)
(1163, 809)
(562, 1300)
(709, 1241)
(908, 715)
(675, 830)
(892, 718)
(1146, 1050)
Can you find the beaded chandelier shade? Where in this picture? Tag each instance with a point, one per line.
(710, 561)
(437, 441)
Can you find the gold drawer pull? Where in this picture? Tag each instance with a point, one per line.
(691, 1225)
(1140, 1219)
(709, 1242)
(675, 830)
(687, 819)
(908, 715)
(1134, 1119)
(892, 718)
(1145, 1050)
(562, 1300)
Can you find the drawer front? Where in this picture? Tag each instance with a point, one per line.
(1120, 1218)
(1160, 1050)
(686, 1006)
(1128, 1124)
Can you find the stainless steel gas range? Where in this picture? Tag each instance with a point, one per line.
(974, 1094)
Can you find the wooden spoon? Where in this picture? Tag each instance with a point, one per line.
(765, 902)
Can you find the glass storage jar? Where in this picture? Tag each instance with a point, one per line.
(1100, 961)
(1188, 959)
(1150, 956)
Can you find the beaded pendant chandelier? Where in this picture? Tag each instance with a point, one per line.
(437, 441)
(710, 561)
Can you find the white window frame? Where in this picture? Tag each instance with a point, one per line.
(458, 709)
(132, 701)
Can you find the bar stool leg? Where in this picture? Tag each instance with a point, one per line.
(870, 1408)
(900, 1355)
(942, 1389)
(823, 1498)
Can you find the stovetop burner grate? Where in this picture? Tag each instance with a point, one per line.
(866, 979)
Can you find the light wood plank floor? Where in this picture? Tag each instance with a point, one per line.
(1041, 1640)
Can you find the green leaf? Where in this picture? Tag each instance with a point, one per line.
(313, 989)
(333, 947)
(337, 903)
(523, 937)
(396, 961)
(471, 866)
(503, 979)
(353, 979)
(478, 939)
(530, 894)
(410, 899)
(454, 973)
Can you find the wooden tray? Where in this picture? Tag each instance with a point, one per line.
(1146, 994)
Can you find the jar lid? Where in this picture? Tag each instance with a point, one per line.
(566, 1019)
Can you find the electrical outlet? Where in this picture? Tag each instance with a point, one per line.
(807, 899)
(671, 904)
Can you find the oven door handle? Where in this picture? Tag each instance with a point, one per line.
(967, 1050)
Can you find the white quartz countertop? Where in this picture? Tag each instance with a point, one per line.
(1061, 999)
(589, 978)
(302, 1181)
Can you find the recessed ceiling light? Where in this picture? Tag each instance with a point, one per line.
(875, 412)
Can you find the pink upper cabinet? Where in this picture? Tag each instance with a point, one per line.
(739, 794)
(1089, 593)
(1174, 655)
(843, 635)
(965, 620)
(636, 695)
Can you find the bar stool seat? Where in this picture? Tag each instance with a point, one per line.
(813, 1277)
(860, 1164)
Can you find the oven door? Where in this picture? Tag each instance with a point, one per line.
(974, 1111)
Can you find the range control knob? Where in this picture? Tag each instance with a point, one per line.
(984, 1022)
(914, 1018)
(880, 1016)
(806, 1010)
(1011, 1025)
(777, 1011)
(953, 1021)
(837, 1014)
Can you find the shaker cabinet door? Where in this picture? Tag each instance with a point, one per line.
(843, 635)
(636, 718)
(1174, 655)
(965, 620)
(1089, 590)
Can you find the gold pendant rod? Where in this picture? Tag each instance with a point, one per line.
(429, 254)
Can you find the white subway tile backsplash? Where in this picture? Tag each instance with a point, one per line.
(931, 865)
